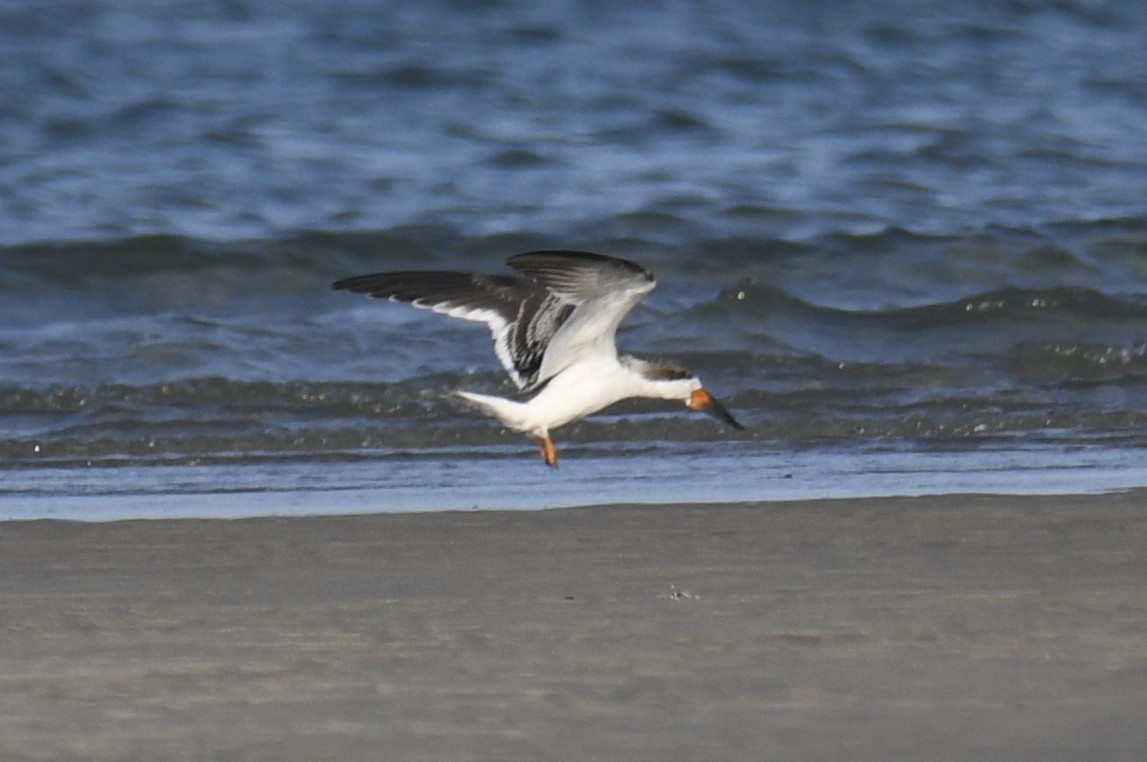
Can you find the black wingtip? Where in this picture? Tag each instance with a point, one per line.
(356, 283)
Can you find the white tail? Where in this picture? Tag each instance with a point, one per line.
(512, 414)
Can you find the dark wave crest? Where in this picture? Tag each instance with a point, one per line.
(171, 349)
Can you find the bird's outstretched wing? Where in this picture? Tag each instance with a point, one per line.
(540, 322)
(602, 290)
(582, 275)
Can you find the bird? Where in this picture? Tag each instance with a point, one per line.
(554, 327)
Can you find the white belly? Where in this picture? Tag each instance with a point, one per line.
(576, 392)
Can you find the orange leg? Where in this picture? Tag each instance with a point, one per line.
(547, 449)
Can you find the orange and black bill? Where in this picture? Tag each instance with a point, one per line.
(706, 403)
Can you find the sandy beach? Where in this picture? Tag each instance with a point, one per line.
(940, 628)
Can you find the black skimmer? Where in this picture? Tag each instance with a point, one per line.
(554, 328)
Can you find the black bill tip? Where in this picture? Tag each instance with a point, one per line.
(706, 403)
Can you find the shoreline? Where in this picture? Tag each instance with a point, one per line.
(723, 475)
(346, 504)
(940, 627)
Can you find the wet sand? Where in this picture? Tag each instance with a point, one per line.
(939, 628)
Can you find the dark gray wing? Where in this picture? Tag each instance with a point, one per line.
(597, 292)
(522, 315)
(567, 301)
(582, 275)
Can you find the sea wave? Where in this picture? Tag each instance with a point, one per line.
(165, 348)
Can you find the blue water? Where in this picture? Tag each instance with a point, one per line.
(720, 474)
(882, 231)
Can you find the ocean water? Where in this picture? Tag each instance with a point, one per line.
(905, 244)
